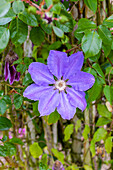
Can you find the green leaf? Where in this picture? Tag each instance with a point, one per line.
(46, 27)
(4, 7)
(99, 134)
(17, 101)
(56, 8)
(35, 150)
(35, 109)
(42, 166)
(5, 123)
(3, 151)
(58, 32)
(102, 121)
(92, 4)
(86, 132)
(28, 18)
(87, 167)
(53, 117)
(107, 93)
(21, 68)
(85, 24)
(55, 45)
(105, 34)
(108, 144)
(19, 31)
(95, 91)
(1, 93)
(7, 99)
(78, 125)
(103, 111)
(3, 106)
(91, 44)
(107, 49)
(11, 148)
(68, 131)
(27, 79)
(58, 155)
(109, 21)
(37, 36)
(18, 6)
(4, 37)
(16, 141)
(92, 148)
(97, 67)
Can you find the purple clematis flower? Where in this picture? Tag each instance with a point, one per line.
(58, 166)
(64, 90)
(10, 70)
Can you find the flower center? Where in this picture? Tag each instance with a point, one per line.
(60, 85)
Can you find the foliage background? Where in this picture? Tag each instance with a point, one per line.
(31, 29)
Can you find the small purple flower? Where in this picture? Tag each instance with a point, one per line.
(10, 70)
(58, 166)
(64, 90)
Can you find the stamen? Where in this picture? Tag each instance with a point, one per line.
(60, 85)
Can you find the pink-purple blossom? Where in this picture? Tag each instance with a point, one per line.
(60, 84)
(58, 165)
(10, 69)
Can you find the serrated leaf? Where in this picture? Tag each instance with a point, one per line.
(58, 32)
(37, 36)
(28, 18)
(4, 38)
(18, 6)
(5, 123)
(3, 107)
(102, 121)
(17, 101)
(4, 7)
(91, 44)
(19, 31)
(11, 148)
(53, 117)
(7, 99)
(92, 4)
(103, 111)
(21, 68)
(85, 24)
(35, 150)
(68, 131)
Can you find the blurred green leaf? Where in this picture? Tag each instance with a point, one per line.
(18, 6)
(58, 32)
(11, 148)
(3, 106)
(102, 121)
(21, 68)
(108, 144)
(86, 131)
(109, 21)
(27, 79)
(19, 31)
(37, 36)
(78, 125)
(4, 37)
(92, 4)
(16, 141)
(108, 93)
(4, 7)
(58, 155)
(99, 134)
(5, 123)
(17, 101)
(68, 131)
(28, 18)
(97, 67)
(85, 24)
(102, 110)
(35, 150)
(53, 117)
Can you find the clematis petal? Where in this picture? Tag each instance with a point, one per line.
(75, 64)
(81, 81)
(34, 91)
(65, 109)
(12, 73)
(6, 70)
(48, 102)
(40, 73)
(77, 98)
(57, 63)
(17, 76)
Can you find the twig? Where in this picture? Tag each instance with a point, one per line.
(110, 61)
(30, 120)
